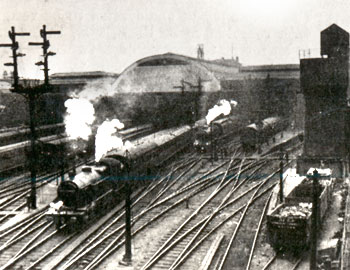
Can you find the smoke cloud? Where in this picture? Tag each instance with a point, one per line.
(107, 138)
(223, 107)
(79, 118)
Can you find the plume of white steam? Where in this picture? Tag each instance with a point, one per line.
(94, 90)
(223, 107)
(233, 102)
(80, 116)
(107, 139)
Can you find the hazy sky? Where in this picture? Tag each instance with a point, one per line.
(109, 35)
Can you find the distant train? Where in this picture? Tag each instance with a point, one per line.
(208, 136)
(96, 187)
(15, 135)
(258, 133)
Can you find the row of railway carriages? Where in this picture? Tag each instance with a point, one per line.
(97, 186)
(81, 197)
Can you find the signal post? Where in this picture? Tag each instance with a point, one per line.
(31, 93)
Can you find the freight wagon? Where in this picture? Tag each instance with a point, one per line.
(289, 224)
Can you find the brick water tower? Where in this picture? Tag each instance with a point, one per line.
(324, 83)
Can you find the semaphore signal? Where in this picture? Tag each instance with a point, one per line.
(31, 93)
(14, 47)
(45, 45)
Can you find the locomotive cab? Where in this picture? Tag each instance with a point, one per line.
(202, 141)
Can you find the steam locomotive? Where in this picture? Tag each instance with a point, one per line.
(213, 135)
(255, 134)
(95, 188)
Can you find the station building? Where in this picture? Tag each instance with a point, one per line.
(324, 82)
(171, 89)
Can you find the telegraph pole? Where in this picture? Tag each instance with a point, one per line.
(197, 97)
(313, 256)
(281, 180)
(127, 258)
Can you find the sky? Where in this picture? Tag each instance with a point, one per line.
(109, 35)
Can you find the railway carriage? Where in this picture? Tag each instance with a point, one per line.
(255, 134)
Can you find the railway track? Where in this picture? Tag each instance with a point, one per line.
(175, 189)
(198, 227)
(283, 261)
(263, 256)
(92, 257)
(175, 252)
(115, 222)
(17, 134)
(112, 236)
(105, 233)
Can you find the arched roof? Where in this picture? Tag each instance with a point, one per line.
(170, 69)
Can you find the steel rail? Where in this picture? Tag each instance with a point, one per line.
(85, 250)
(32, 240)
(267, 265)
(160, 214)
(163, 249)
(213, 214)
(217, 210)
(241, 220)
(64, 241)
(10, 213)
(117, 246)
(222, 223)
(223, 204)
(13, 260)
(258, 231)
(22, 223)
(20, 235)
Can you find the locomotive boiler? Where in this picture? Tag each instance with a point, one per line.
(92, 191)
